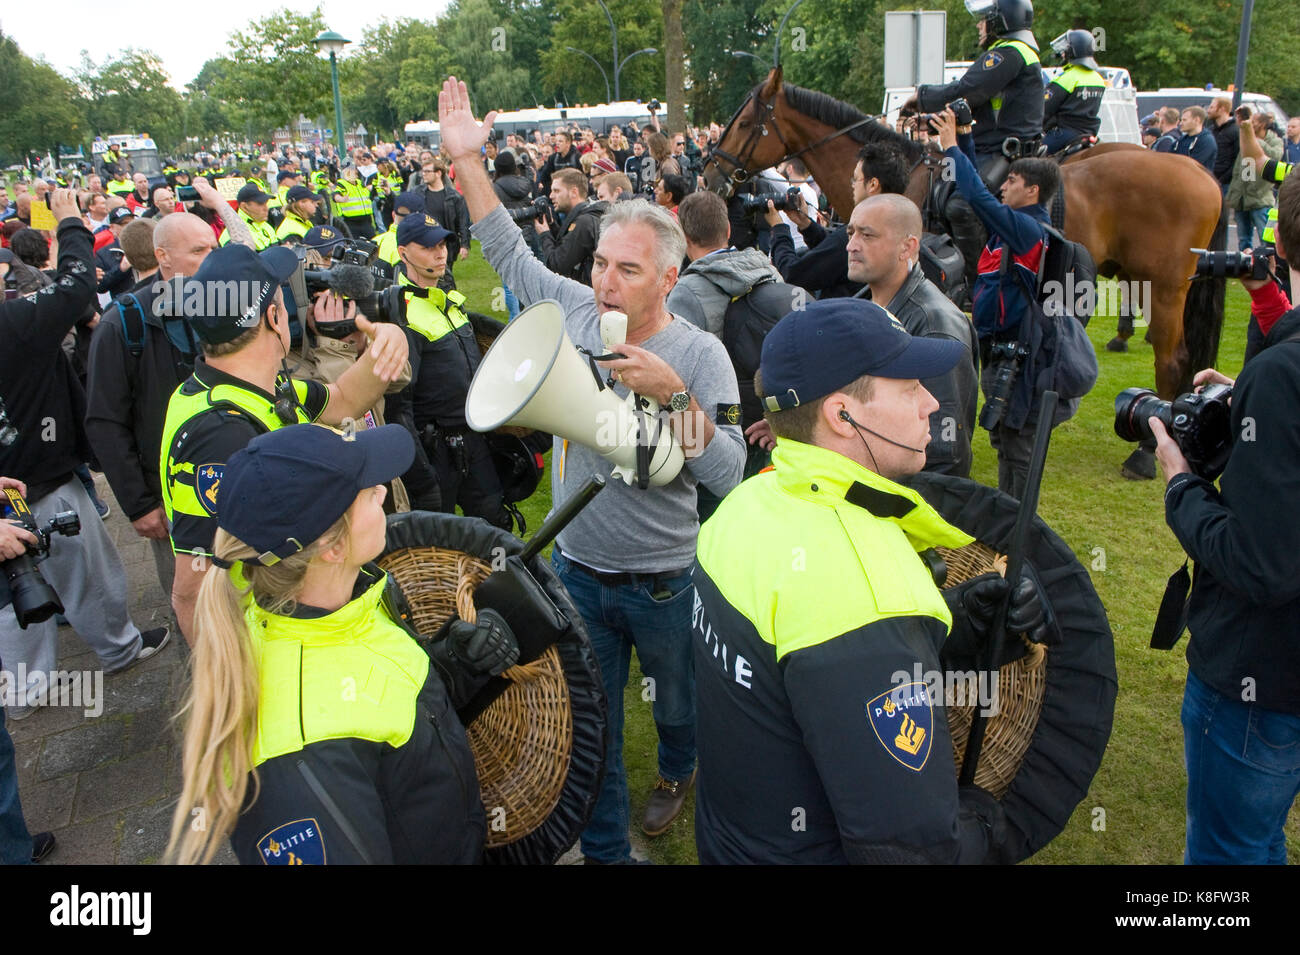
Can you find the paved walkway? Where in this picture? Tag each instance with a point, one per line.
(106, 785)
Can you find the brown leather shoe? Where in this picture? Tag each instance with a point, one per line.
(665, 804)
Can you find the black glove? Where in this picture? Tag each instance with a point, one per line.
(467, 654)
(982, 825)
(974, 604)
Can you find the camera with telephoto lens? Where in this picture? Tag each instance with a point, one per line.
(539, 208)
(782, 203)
(33, 599)
(1253, 264)
(654, 105)
(1199, 422)
(1005, 359)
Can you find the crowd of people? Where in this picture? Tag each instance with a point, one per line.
(797, 439)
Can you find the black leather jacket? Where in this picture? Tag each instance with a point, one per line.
(927, 313)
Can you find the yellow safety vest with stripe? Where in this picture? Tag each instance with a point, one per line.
(799, 516)
(120, 187)
(1075, 75)
(320, 180)
(387, 243)
(1027, 51)
(263, 235)
(1280, 171)
(302, 663)
(355, 202)
(293, 225)
(436, 314)
(193, 398)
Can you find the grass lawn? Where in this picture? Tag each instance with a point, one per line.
(1116, 528)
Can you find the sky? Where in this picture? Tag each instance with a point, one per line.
(192, 37)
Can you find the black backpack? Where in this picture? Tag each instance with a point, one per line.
(945, 266)
(1067, 281)
(745, 324)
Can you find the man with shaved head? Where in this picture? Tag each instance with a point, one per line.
(883, 253)
(139, 355)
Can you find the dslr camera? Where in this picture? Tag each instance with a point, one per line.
(783, 203)
(33, 599)
(1199, 422)
(540, 208)
(1253, 264)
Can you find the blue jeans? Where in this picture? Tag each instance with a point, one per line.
(1243, 775)
(1250, 222)
(512, 303)
(15, 841)
(618, 618)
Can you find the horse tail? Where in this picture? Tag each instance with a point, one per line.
(1203, 311)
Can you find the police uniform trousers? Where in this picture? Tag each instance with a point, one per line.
(468, 477)
(87, 574)
(361, 227)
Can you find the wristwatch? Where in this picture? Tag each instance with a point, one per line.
(680, 401)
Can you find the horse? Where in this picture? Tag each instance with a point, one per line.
(1137, 212)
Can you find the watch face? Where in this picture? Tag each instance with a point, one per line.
(680, 401)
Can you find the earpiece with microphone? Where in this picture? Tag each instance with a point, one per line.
(845, 416)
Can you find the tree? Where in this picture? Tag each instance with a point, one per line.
(41, 107)
(132, 93)
(583, 25)
(479, 43)
(674, 66)
(714, 29)
(274, 73)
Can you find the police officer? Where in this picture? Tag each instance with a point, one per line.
(1004, 87)
(352, 203)
(292, 610)
(800, 706)
(1072, 103)
(253, 210)
(299, 209)
(239, 389)
(403, 206)
(285, 180)
(444, 357)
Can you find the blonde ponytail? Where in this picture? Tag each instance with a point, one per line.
(220, 710)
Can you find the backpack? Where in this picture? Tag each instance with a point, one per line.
(131, 313)
(745, 324)
(1067, 278)
(944, 265)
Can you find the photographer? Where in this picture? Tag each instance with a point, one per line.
(1241, 706)
(571, 254)
(45, 404)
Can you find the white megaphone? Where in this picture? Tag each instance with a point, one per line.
(534, 377)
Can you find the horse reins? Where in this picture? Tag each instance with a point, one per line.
(739, 173)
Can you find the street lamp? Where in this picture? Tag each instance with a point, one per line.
(603, 74)
(333, 44)
(619, 69)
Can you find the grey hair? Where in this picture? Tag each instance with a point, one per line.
(670, 241)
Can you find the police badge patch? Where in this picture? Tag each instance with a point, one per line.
(295, 843)
(903, 721)
(207, 482)
(991, 60)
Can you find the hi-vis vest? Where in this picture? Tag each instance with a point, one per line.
(355, 202)
(387, 243)
(1074, 76)
(120, 187)
(302, 663)
(263, 234)
(1280, 171)
(293, 225)
(192, 398)
(436, 314)
(832, 566)
(1027, 51)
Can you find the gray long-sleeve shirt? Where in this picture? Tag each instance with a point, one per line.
(625, 528)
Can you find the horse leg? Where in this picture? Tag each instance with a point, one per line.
(1124, 326)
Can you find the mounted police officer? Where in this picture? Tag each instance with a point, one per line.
(1072, 102)
(1004, 88)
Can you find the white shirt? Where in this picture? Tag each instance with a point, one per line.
(778, 180)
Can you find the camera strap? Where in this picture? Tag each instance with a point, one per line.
(1171, 618)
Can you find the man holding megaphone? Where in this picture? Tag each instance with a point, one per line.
(625, 558)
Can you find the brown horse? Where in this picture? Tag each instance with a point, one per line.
(1137, 212)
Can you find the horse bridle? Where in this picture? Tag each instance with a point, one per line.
(767, 114)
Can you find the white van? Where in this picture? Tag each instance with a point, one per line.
(1182, 97)
(1119, 110)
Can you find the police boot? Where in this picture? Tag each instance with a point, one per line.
(665, 804)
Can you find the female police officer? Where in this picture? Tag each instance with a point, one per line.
(306, 686)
